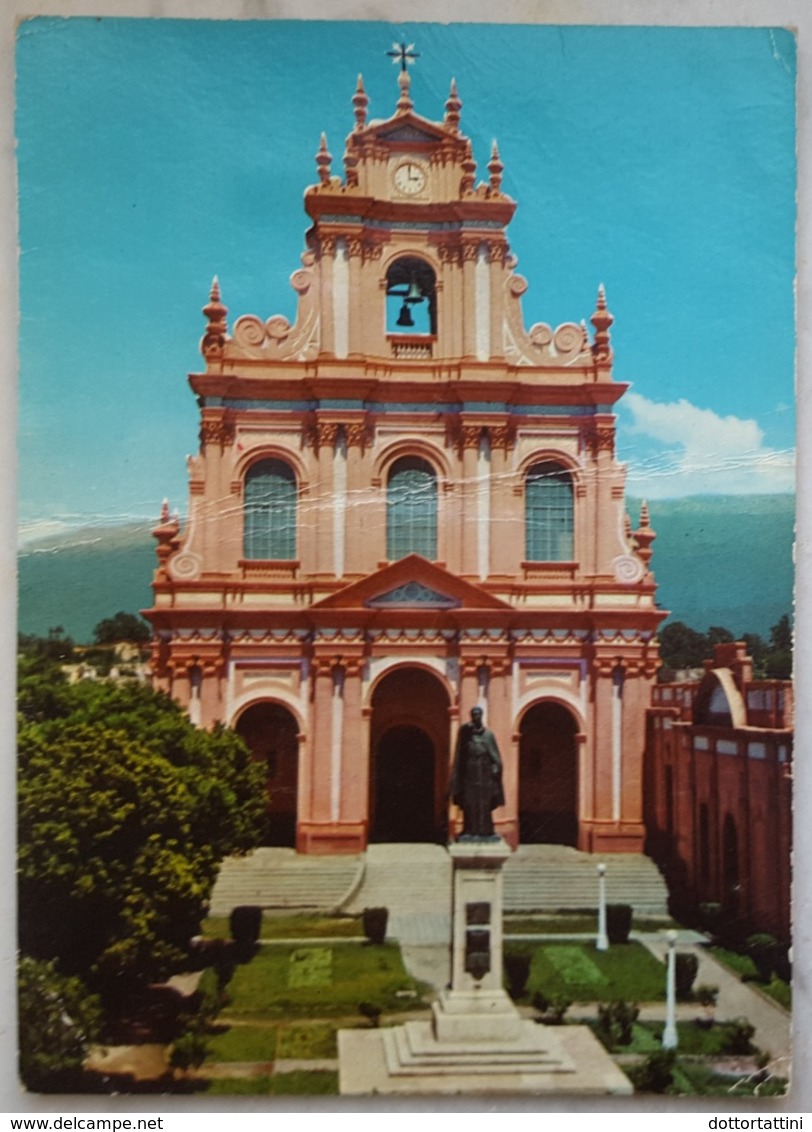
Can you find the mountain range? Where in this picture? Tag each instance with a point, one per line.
(718, 560)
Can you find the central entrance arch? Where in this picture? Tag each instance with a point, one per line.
(409, 744)
(548, 776)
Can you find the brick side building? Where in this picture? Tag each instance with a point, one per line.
(718, 791)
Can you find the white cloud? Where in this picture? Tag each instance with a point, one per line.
(704, 453)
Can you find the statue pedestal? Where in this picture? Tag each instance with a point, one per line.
(477, 1042)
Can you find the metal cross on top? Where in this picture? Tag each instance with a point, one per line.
(404, 54)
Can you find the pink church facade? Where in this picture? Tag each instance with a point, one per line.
(406, 504)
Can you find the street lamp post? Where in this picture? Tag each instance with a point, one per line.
(602, 942)
(670, 1040)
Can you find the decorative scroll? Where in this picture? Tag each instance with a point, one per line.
(275, 338)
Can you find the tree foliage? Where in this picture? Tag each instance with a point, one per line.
(125, 810)
(58, 1021)
(684, 647)
(121, 627)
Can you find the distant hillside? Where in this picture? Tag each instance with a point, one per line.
(719, 560)
(724, 560)
(76, 579)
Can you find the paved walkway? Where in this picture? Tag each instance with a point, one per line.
(414, 883)
(736, 999)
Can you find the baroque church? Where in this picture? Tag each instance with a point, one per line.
(406, 504)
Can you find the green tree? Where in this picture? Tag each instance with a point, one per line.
(781, 635)
(125, 810)
(58, 1021)
(56, 648)
(682, 647)
(122, 627)
(757, 650)
(778, 660)
(719, 635)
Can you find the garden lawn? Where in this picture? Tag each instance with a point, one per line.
(316, 1083)
(252, 1042)
(700, 1080)
(626, 971)
(693, 1040)
(320, 981)
(291, 927)
(575, 923)
(746, 969)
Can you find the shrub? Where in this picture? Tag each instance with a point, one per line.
(517, 970)
(687, 965)
(189, 1051)
(374, 923)
(615, 1023)
(618, 922)
(706, 995)
(763, 949)
(371, 1011)
(552, 1008)
(245, 924)
(656, 1074)
(738, 1036)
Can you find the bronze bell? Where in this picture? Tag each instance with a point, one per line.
(405, 316)
(414, 294)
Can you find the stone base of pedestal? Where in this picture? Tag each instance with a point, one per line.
(475, 1016)
(410, 1059)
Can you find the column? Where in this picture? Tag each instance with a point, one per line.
(506, 507)
(471, 434)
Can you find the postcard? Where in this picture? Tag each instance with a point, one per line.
(407, 499)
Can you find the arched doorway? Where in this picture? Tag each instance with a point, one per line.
(271, 732)
(409, 758)
(548, 776)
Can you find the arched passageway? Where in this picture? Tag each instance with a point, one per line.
(548, 776)
(271, 732)
(409, 758)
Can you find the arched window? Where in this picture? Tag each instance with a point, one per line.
(411, 509)
(549, 514)
(411, 297)
(270, 511)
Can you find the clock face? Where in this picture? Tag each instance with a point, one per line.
(410, 178)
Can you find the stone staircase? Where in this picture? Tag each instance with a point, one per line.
(281, 878)
(552, 877)
(414, 882)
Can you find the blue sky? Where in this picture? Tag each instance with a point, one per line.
(153, 154)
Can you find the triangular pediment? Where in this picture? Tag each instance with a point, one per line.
(408, 129)
(411, 583)
(406, 133)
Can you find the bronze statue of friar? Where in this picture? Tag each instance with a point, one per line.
(476, 778)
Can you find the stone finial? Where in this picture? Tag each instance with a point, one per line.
(627, 526)
(602, 319)
(584, 336)
(452, 109)
(323, 160)
(216, 326)
(644, 536)
(166, 537)
(360, 102)
(468, 169)
(495, 168)
(404, 103)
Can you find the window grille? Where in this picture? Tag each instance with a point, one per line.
(411, 509)
(549, 514)
(270, 511)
